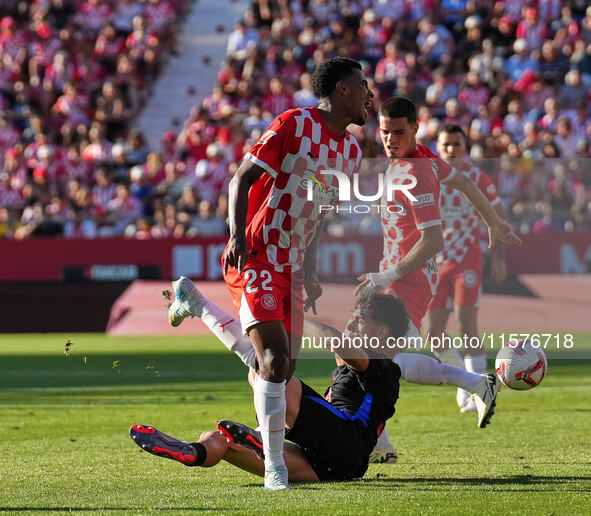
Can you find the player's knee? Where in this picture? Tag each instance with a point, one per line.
(274, 367)
(252, 377)
(210, 434)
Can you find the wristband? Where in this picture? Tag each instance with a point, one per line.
(382, 279)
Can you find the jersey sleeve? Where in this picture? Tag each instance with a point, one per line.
(425, 209)
(488, 188)
(445, 171)
(269, 152)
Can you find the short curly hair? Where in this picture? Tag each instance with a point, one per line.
(387, 310)
(327, 74)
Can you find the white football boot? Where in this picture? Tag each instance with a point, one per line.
(188, 301)
(276, 478)
(387, 455)
(484, 397)
(384, 452)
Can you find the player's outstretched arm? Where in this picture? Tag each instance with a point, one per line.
(497, 227)
(311, 283)
(498, 265)
(237, 253)
(428, 245)
(352, 356)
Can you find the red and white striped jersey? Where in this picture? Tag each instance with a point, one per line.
(461, 222)
(403, 220)
(281, 221)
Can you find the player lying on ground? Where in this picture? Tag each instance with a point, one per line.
(333, 435)
(415, 367)
(460, 262)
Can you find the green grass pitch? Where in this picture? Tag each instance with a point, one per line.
(64, 443)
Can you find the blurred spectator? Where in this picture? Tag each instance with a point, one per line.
(277, 100)
(574, 91)
(241, 39)
(122, 210)
(304, 97)
(123, 17)
(435, 42)
(565, 139)
(532, 28)
(552, 64)
(210, 174)
(208, 223)
(75, 74)
(521, 62)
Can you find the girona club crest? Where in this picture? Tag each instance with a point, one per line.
(470, 278)
(269, 302)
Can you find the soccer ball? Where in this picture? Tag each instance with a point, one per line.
(520, 365)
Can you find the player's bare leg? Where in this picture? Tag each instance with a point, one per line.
(213, 447)
(271, 345)
(215, 443)
(436, 322)
(475, 359)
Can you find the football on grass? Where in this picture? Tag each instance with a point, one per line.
(520, 365)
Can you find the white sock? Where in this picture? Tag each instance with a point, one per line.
(269, 403)
(419, 368)
(450, 356)
(383, 441)
(228, 329)
(476, 363)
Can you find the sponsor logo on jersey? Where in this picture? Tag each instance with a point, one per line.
(453, 212)
(321, 192)
(431, 267)
(424, 200)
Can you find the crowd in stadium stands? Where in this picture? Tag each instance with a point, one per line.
(516, 74)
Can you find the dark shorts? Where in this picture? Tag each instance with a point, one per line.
(336, 448)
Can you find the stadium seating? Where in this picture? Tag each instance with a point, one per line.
(74, 75)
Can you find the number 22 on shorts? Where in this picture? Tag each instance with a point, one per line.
(251, 277)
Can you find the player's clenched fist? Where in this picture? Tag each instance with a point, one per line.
(236, 253)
